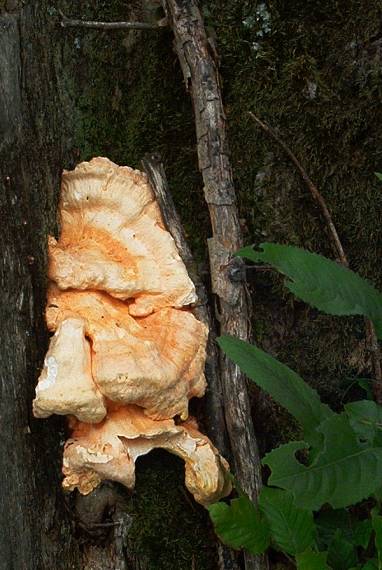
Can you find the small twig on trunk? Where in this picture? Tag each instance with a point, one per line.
(71, 23)
(371, 337)
(311, 186)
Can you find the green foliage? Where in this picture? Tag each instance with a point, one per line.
(292, 528)
(377, 527)
(311, 560)
(354, 531)
(324, 284)
(241, 525)
(342, 554)
(343, 473)
(282, 383)
(339, 462)
(366, 420)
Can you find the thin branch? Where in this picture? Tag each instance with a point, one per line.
(312, 188)
(371, 337)
(70, 23)
(198, 61)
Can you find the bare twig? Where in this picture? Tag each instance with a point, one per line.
(71, 23)
(371, 337)
(312, 188)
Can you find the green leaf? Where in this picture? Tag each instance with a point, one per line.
(342, 473)
(282, 383)
(355, 531)
(292, 528)
(329, 521)
(366, 385)
(362, 533)
(365, 418)
(241, 525)
(342, 555)
(378, 175)
(370, 565)
(324, 284)
(377, 527)
(310, 560)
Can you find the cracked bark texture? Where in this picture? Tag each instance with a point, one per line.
(31, 506)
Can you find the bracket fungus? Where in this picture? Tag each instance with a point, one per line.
(108, 451)
(127, 353)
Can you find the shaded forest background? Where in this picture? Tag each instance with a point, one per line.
(313, 71)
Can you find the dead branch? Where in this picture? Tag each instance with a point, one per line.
(214, 414)
(71, 23)
(200, 72)
(371, 337)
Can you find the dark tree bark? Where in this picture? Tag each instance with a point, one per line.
(35, 531)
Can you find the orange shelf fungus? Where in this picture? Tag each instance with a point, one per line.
(127, 353)
(113, 240)
(109, 450)
(156, 361)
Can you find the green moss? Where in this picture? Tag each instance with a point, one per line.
(313, 71)
(169, 529)
(131, 101)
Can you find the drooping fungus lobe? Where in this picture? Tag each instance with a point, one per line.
(113, 239)
(156, 361)
(66, 385)
(127, 354)
(108, 451)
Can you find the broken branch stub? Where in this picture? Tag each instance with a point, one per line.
(127, 353)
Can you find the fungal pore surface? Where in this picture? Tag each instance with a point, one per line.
(127, 354)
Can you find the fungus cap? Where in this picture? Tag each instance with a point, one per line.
(113, 239)
(156, 362)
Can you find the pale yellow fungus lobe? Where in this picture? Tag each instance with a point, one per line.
(109, 450)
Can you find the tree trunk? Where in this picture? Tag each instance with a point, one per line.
(41, 90)
(35, 528)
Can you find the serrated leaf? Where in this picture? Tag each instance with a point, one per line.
(342, 555)
(365, 418)
(241, 525)
(292, 528)
(283, 384)
(311, 560)
(342, 473)
(324, 284)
